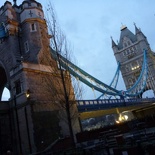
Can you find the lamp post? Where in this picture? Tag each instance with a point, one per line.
(18, 129)
(27, 124)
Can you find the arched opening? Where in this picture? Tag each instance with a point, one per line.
(3, 81)
(5, 94)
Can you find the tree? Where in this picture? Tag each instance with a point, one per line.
(63, 88)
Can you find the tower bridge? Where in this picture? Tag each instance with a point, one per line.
(30, 117)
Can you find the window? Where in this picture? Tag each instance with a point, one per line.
(18, 87)
(130, 81)
(124, 53)
(127, 68)
(135, 65)
(33, 27)
(126, 42)
(129, 43)
(125, 45)
(26, 46)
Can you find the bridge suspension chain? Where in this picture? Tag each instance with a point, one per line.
(96, 84)
(113, 83)
(83, 76)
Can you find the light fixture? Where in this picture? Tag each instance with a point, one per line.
(28, 93)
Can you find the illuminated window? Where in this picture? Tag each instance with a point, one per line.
(135, 65)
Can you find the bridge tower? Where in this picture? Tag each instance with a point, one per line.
(129, 52)
(32, 121)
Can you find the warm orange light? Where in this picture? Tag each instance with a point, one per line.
(27, 94)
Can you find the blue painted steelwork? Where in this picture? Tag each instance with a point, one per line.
(140, 84)
(113, 83)
(3, 31)
(94, 83)
(92, 105)
(84, 76)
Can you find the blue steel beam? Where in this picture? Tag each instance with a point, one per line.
(94, 83)
(114, 81)
(84, 76)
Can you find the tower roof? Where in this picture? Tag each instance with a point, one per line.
(125, 32)
(113, 43)
(136, 29)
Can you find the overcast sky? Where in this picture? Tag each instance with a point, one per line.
(89, 24)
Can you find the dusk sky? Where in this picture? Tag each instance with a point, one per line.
(88, 26)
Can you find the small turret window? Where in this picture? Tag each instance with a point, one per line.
(26, 46)
(33, 27)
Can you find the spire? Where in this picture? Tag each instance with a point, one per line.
(15, 2)
(113, 43)
(136, 29)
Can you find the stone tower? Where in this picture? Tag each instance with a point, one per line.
(129, 52)
(24, 68)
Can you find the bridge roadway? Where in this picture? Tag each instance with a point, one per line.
(96, 108)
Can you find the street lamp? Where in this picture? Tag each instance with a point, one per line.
(28, 94)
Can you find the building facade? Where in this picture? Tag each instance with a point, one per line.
(26, 66)
(129, 52)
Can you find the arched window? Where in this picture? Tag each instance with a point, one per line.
(126, 42)
(33, 27)
(127, 68)
(129, 43)
(125, 45)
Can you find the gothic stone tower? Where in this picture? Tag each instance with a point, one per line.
(129, 52)
(24, 69)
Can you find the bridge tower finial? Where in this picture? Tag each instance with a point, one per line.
(15, 2)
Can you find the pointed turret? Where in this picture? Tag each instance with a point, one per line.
(15, 2)
(114, 46)
(126, 35)
(139, 33)
(136, 29)
(113, 43)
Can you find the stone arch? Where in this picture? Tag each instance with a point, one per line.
(3, 80)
